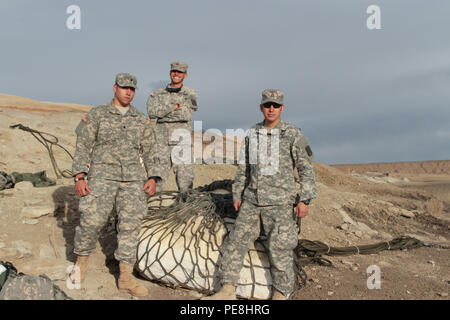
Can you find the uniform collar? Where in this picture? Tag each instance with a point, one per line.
(183, 89)
(112, 109)
(280, 125)
(174, 90)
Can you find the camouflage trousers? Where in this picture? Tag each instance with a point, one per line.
(279, 235)
(184, 172)
(130, 202)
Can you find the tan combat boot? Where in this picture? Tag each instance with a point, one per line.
(126, 282)
(227, 292)
(277, 295)
(81, 266)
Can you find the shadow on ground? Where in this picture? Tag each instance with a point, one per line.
(68, 218)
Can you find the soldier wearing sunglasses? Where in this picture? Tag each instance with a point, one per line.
(265, 202)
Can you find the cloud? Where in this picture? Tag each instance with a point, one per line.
(356, 94)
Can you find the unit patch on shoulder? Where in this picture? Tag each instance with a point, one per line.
(84, 118)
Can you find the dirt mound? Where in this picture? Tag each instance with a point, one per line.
(26, 104)
(332, 176)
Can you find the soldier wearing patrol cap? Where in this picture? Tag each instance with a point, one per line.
(173, 107)
(112, 139)
(264, 197)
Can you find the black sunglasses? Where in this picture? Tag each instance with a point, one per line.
(177, 71)
(268, 104)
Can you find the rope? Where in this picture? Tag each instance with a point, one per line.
(48, 144)
(308, 251)
(436, 245)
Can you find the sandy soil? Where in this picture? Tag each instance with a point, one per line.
(350, 210)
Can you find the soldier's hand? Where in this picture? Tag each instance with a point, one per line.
(81, 188)
(237, 205)
(150, 187)
(302, 210)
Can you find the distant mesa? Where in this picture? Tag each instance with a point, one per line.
(406, 167)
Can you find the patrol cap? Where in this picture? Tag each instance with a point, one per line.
(272, 95)
(178, 66)
(126, 80)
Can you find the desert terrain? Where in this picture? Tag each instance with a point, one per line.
(357, 205)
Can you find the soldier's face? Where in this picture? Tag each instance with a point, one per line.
(271, 114)
(124, 95)
(177, 77)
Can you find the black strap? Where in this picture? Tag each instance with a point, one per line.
(173, 90)
(10, 271)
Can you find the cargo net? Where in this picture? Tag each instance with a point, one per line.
(182, 235)
(181, 238)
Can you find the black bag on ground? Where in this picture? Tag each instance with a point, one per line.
(38, 179)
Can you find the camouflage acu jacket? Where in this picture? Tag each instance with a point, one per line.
(161, 105)
(111, 145)
(271, 181)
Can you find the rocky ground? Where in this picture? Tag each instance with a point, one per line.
(354, 207)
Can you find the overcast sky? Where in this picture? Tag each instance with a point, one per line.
(359, 95)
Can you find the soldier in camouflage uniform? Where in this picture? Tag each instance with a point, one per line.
(173, 107)
(113, 141)
(264, 194)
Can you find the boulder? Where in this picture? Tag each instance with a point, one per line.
(37, 211)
